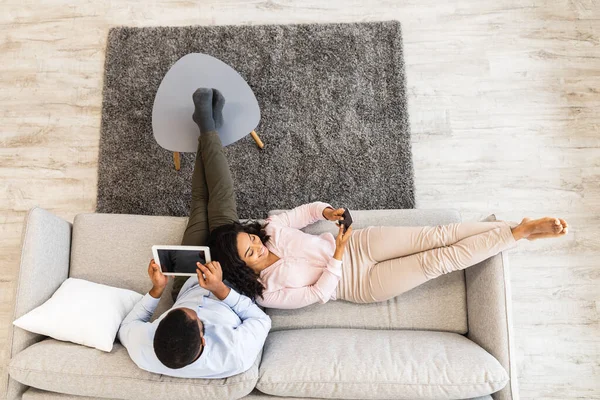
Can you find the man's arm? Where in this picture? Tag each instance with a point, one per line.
(136, 319)
(250, 336)
(141, 313)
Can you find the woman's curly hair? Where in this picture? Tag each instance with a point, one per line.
(223, 247)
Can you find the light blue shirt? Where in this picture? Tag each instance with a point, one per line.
(235, 330)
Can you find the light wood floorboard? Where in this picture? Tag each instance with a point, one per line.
(504, 107)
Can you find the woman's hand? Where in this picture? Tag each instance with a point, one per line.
(333, 215)
(340, 242)
(210, 277)
(159, 280)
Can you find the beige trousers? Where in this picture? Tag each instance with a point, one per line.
(381, 262)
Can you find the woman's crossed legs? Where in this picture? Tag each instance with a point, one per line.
(407, 257)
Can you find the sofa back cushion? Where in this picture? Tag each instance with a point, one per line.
(439, 304)
(114, 249)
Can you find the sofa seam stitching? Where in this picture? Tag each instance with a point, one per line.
(508, 323)
(117, 377)
(390, 383)
(24, 239)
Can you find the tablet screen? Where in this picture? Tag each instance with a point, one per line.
(182, 261)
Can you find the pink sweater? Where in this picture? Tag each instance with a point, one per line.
(306, 272)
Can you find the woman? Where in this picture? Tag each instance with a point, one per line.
(283, 267)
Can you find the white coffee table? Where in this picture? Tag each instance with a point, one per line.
(172, 122)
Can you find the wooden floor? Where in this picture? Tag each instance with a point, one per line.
(505, 114)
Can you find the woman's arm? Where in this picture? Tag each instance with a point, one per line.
(301, 216)
(321, 291)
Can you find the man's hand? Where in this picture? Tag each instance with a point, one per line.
(210, 277)
(159, 281)
(333, 215)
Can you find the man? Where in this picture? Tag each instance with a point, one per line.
(212, 331)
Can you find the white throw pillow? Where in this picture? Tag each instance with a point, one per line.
(82, 312)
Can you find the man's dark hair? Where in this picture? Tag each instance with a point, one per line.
(177, 339)
(223, 247)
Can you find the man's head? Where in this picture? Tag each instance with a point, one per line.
(179, 338)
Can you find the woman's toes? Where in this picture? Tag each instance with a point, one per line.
(563, 223)
(545, 228)
(548, 225)
(544, 225)
(557, 227)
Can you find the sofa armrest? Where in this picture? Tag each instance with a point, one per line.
(489, 315)
(45, 251)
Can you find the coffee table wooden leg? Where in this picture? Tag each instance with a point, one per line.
(257, 139)
(177, 160)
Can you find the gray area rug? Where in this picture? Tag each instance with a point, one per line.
(334, 118)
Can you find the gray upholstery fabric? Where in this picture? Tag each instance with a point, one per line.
(46, 242)
(74, 369)
(490, 316)
(106, 245)
(437, 305)
(115, 249)
(36, 394)
(257, 395)
(366, 364)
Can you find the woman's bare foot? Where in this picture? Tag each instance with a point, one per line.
(565, 230)
(533, 229)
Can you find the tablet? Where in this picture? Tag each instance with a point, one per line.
(180, 260)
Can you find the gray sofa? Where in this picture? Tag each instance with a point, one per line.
(436, 341)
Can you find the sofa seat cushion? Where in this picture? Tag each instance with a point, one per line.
(36, 394)
(257, 395)
(438, 305)
(375, 364)
(73, 369)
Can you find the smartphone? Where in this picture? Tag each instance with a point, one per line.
(347, 221)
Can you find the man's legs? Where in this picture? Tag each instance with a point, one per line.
(222, 208)
(196, 232)
(213, 197)
(209, 117)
